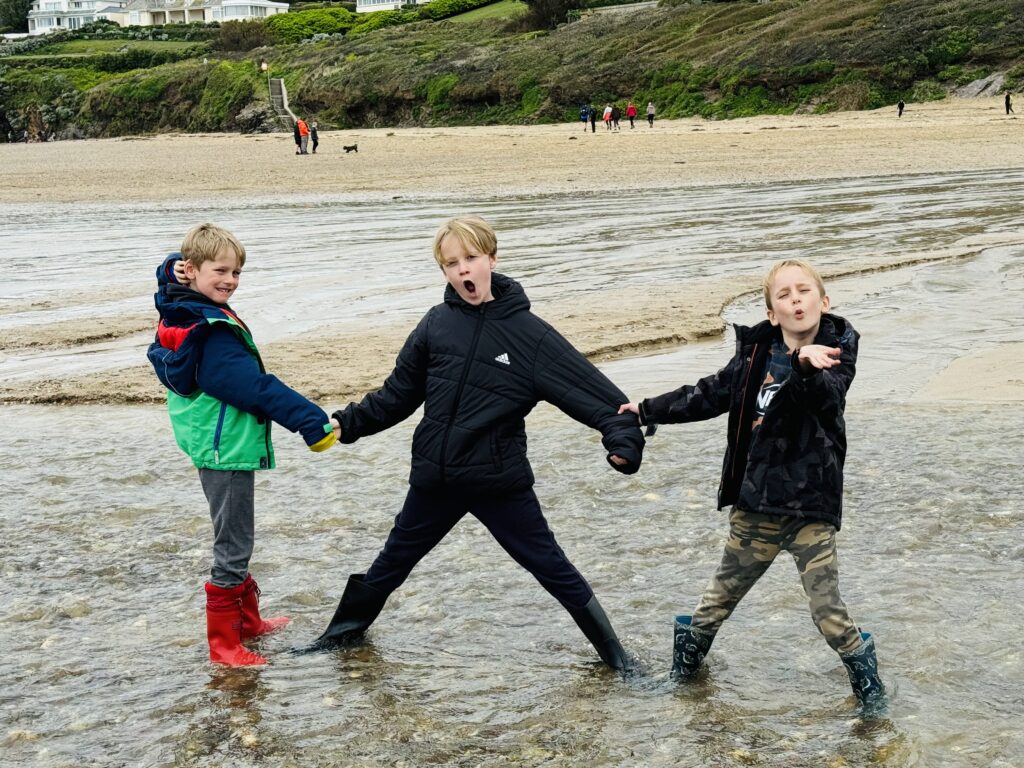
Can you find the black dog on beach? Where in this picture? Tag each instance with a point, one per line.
(350, 148)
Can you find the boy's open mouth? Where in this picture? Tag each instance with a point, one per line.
(469, 285)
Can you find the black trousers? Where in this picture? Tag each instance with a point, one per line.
(515, 521)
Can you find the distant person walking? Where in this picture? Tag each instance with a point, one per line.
(584, 115)
(314, 136)
(1009, 104)
(298, 137)
(608, 116)
(631, 113)
(592, 112)
(650, 113)
(616, 116)
(303, 136)
(900, 106)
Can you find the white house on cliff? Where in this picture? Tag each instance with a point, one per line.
(50, 15)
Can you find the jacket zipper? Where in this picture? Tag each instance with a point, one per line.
(743, 402)
(458, 392)
(216, 434)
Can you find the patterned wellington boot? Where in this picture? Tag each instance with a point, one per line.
(862, 667)
(690, 646)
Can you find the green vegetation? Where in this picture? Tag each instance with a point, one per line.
(717, 60)
(503, 9)
(88, 47)
(293, 27)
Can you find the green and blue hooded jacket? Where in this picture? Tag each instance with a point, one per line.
(220, 398)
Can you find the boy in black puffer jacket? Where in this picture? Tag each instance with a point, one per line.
(479, 363)
(785, 392)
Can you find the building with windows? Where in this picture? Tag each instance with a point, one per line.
(49, 15)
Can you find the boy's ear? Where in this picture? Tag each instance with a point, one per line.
(826, 303)
(772, 318)
(190, 269)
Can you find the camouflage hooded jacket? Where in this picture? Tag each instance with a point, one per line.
(795, 467)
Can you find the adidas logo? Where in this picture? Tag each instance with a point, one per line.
(503, 359)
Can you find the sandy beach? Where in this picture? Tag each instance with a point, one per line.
(939, 137)
(951, 135)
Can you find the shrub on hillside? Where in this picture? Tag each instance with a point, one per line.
(547, 14)
(443, 9)
(242, 35)
(293, 27)
(381, 19)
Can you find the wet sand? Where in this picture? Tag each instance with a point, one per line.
(953, 135)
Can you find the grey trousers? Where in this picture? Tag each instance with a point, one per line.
(232, 510)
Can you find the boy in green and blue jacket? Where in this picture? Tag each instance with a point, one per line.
(221, 402)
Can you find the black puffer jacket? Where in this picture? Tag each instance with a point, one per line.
(479, 371)
(796, 464)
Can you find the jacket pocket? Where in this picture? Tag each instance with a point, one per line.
(496, 452)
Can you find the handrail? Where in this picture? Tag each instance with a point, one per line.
(282, 94)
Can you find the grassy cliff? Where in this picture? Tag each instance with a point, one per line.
(718, 60)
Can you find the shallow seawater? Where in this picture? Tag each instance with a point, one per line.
(106, 536)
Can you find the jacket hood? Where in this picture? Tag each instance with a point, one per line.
(184, 315)
(179, 305)
(509, 297)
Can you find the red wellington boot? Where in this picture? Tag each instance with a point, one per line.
(224, 627)
(252, 624)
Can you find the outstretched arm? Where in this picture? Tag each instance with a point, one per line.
(228, 372)
(567, 380)
(706, 399)
(398, 398)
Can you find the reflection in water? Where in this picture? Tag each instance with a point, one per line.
(106, 533)
(227, 718)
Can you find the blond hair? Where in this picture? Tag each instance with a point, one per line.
(205, 241)
(474, 233)
(779, 266)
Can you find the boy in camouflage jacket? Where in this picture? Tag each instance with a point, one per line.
(785, 392)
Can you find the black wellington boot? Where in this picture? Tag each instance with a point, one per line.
(690, 646)
(862, 667)
(360, 604)
(592, 619)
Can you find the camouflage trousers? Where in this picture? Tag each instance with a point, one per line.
(754, 541)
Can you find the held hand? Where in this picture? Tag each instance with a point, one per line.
(336, 426)
(179, 273)
(633, 408)
(618, 460)
(819, 356)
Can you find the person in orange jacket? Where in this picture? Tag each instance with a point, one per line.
(303, 136)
